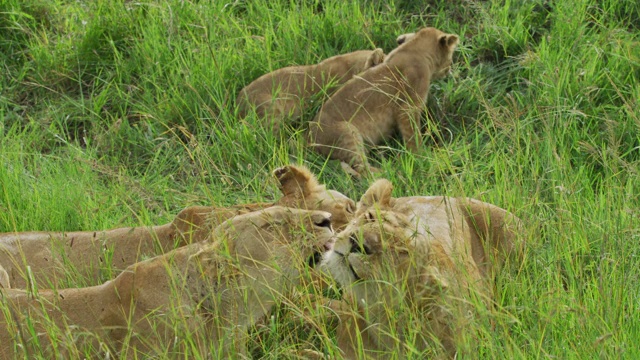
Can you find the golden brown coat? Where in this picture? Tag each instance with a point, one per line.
(213, 290)
(371, 106)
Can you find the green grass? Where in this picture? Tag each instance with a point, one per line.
(118, 114)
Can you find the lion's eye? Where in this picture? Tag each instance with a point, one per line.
(358, 248)
(349, 208)
(324, 223)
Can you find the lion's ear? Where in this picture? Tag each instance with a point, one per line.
(449, 40)
(295, 180)
(378, 193)
(404, 37)
(376, 57)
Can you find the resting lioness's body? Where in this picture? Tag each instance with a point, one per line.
(52, 256)
(413, 265)
(284, 93)
(385, 98)
(218, 287)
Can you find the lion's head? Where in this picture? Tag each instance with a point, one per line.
(374, 244)
(257, 257)
(280, 235)
(393, 273)
(431, 42)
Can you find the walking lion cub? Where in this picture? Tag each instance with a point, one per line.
(212, 290)
(284, 93)
(390, 96)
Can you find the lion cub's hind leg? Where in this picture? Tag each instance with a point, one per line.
(343, 142)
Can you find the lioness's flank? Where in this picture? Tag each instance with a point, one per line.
(211, 290)
(51, 256)
(413, 266)
(390, 96)
(284, 93)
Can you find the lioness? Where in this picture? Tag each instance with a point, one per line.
(413, 265)
(283, 94)
(369, 107)
(51, 256)
(212, 290)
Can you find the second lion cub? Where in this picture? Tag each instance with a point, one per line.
(368, 108)
(283, 93)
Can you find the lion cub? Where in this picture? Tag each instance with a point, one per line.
(51, 256)
(413, 266)
(213, 290)
(284, 93)
(369, 107)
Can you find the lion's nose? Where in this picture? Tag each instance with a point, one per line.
(328, 245)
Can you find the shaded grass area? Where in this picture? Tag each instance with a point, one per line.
(122, 113)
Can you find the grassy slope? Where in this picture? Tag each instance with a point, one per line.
(104, 106)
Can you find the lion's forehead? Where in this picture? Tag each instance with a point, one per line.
(294, 214)
(333, 195)
(431, 216)
(293, 233)
(269, 219)
(398, 238)
(380, 231)
(430, 31)
(337, 204)
(286, 212)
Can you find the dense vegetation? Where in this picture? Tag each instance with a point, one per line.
(118, 114)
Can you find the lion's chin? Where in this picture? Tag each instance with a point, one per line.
(337, 265)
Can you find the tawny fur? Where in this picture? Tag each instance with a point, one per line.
(4, 279)
(370, 107)
(412, 266)
(214, 289)
(53, 256)
(286, 93)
